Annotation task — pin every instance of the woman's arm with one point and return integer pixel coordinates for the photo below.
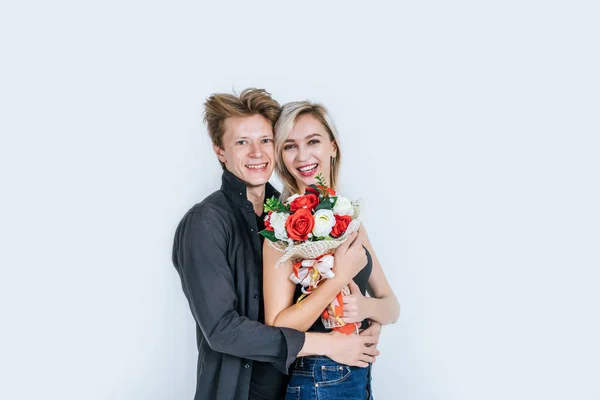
(278, 289)
(382, 306)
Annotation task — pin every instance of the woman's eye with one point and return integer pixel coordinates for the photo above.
(288, 146)
(313, 141)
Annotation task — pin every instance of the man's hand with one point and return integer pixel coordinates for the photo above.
(351, 256)
(356, 306)
(374, 330)
(355, 350)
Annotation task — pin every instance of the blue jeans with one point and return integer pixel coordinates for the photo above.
(318, 377)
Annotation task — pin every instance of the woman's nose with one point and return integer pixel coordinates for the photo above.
(302, 154)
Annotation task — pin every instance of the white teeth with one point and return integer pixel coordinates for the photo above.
(259, 166)
(308, 168)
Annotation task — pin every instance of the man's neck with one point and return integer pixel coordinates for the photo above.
(256, 195)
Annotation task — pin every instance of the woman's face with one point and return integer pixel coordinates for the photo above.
(307, 152)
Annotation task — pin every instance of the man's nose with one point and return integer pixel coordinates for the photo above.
(255, 150)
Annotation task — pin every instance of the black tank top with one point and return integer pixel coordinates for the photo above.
(361, 279)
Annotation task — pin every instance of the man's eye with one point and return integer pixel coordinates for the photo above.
(241, 142)
(267, 140)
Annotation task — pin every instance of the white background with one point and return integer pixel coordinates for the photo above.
(470, 131)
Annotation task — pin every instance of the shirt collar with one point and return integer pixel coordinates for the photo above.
(235, 188)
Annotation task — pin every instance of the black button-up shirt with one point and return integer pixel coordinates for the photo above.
(217, 253)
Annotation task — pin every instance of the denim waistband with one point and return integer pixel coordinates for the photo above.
(315, 358)
(309, 361)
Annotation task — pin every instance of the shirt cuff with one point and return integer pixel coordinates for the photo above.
(295, 341)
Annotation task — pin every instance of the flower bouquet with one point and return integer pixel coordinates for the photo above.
(307, 229)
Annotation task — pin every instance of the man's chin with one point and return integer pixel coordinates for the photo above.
(255, 181)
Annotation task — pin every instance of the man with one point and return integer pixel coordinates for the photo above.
(217, 253)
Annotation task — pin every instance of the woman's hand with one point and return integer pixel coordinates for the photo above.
(356, 306)
(350, 257)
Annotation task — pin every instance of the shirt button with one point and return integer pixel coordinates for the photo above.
(256, 295)
(251, 230)
(247, 366)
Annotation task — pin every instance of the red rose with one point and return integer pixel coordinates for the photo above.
(329, 191)
(300, 224)
(341, 224)
(308, 200)
(312, 190)
(268, 222)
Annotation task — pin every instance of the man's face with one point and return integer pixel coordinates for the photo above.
(247, 150)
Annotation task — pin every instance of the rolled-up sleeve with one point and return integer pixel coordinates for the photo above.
(200, 257)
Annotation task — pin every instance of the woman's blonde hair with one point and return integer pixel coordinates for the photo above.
(287, 119)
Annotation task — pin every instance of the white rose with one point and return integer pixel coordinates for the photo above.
(292, 198)
(343, 206)
(277, 221)
(324, 221)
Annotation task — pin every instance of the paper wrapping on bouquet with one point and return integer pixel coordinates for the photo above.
(313, 264)
(312, 250)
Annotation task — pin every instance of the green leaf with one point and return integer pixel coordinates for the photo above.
(269, 235)
(273, 204)
(324, 205)
(323, 238)
(334, 198)
(321, 180)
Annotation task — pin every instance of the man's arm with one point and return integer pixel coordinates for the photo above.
(345, 349)
(200, 256)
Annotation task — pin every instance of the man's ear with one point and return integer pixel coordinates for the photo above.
(219, 152)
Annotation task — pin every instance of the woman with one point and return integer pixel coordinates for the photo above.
(306, 145)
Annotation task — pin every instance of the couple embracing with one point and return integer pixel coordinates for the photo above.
(255, 339)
